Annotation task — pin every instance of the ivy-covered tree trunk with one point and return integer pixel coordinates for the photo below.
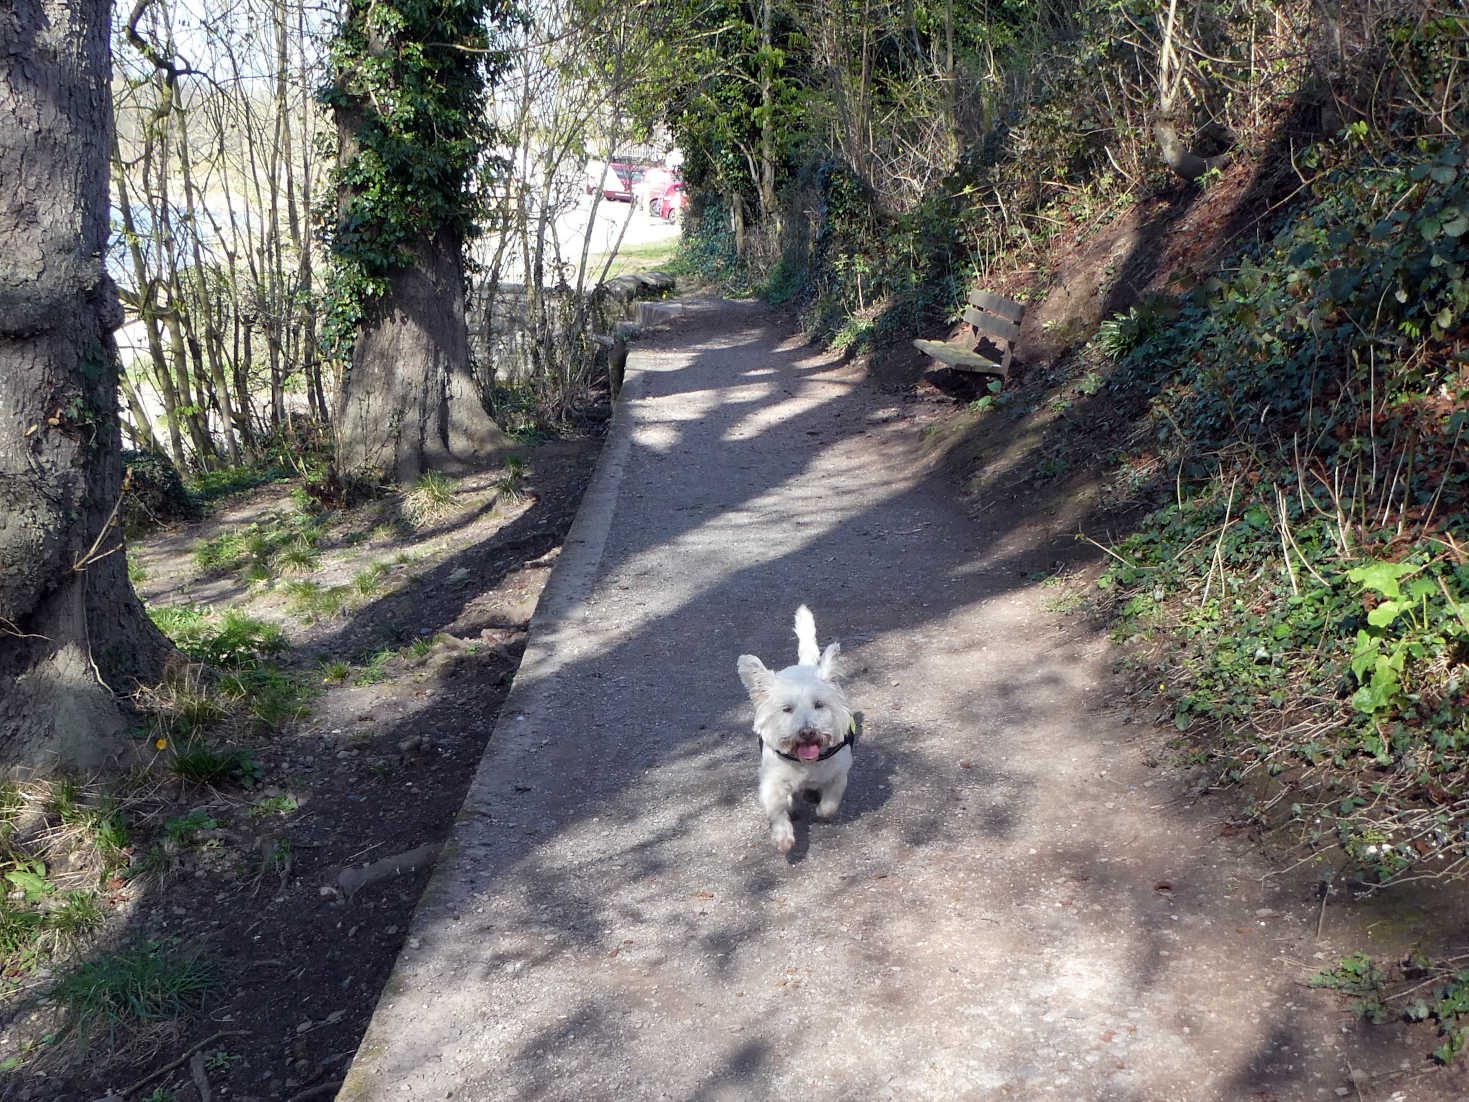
(410, 404)
(71, 628)
(408, 95)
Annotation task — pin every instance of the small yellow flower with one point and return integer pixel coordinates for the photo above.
(161, 743)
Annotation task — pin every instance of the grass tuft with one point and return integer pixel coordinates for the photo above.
(430, 499)
(369, 580)
(315, 601)
(511, 485)
(113, 996)
(204, 765)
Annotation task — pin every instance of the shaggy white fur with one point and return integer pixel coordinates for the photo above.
(803, 720)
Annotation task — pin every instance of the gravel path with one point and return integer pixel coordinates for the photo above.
(1012, 903)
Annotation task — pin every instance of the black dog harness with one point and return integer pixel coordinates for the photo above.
(828, 752)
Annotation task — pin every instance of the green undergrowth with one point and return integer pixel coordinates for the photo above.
(1436, 992)
(209, 486)
(70, 853)
(263, 549)
(112, 999)
(230, 678)
(1303, 595)
(59, 845)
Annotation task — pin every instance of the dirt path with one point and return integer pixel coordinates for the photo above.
(1017, 899)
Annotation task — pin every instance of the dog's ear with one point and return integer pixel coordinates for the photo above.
(827, 665)
(755, 676)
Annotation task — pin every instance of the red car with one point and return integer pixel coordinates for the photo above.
(654, 183)
(620, 181)
(671, 203)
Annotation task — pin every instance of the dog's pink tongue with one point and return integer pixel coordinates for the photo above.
(808, 751)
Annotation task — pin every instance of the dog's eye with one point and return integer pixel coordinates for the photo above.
(788, 709)
(819, 704)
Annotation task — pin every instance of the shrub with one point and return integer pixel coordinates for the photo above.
(153, 493)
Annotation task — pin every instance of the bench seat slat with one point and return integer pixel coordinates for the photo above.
(957, 354)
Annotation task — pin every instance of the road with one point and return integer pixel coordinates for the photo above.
(1016, 901)
(603, 226)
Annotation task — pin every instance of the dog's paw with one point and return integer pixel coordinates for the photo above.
(828, 807)
(783, 835)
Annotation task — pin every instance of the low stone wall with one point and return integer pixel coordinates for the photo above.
(499, 325)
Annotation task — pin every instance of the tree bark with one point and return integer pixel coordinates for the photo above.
(75, 629)
(409, 404)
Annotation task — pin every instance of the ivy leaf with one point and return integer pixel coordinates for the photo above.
(1419, 588)
(1378, 693)
(1377, 747)
(1382, 577)
(1385, 613)
(1363, 655)
(1258, 517)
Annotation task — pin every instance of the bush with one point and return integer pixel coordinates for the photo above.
(153, 493)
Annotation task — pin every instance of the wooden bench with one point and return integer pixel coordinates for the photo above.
(995, 321)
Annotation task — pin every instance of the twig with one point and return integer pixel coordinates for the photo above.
(1442, 482)
(1215, 561)
(9, 627)
(1452, 603)
(92, 554)
(1280, 496)
(168, 1067)
(1107, 550)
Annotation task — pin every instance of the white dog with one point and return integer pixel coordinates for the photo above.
(805, 727)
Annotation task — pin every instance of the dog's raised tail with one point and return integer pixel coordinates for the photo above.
(807, 652)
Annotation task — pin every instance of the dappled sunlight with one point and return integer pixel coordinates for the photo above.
(998, 883)
(796, 404)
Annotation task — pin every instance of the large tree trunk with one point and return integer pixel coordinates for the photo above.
(71, 628)
(409, 404)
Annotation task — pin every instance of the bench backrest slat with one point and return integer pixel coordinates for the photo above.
(992, 325)
(1010, 311)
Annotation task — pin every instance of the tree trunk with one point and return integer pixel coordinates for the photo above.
(213, 343)
(409, 404)
(765, 185)
(147, 303)
(141, 430)
(76, 629)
